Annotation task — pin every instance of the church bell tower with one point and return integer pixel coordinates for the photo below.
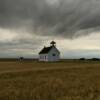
(53, 43)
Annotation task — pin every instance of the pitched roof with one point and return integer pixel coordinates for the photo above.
(45, 50)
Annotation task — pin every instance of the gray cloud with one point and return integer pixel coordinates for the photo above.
(20, 46)
(55, 18)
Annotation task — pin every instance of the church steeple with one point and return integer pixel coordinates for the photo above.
(53, 43)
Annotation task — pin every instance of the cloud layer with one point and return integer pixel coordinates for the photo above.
(27, 25)
(68, 18)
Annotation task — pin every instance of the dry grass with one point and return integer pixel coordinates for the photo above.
(69, 80)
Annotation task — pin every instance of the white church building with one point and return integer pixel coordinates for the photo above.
(50, 53)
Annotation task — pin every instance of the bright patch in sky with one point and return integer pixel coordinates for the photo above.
(52, 2)
(29, 45)
(7, 35)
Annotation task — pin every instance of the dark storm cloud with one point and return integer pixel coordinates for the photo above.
(51, 17)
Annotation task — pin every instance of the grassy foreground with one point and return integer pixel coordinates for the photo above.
(31, 80)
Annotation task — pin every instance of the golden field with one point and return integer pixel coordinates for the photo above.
(65, 80)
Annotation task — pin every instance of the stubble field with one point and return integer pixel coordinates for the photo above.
(65, 80)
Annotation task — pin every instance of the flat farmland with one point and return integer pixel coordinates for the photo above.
(65, 80)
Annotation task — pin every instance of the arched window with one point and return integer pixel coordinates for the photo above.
(53, 54)
(45, 57)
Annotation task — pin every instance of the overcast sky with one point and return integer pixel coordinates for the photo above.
(27, 25)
